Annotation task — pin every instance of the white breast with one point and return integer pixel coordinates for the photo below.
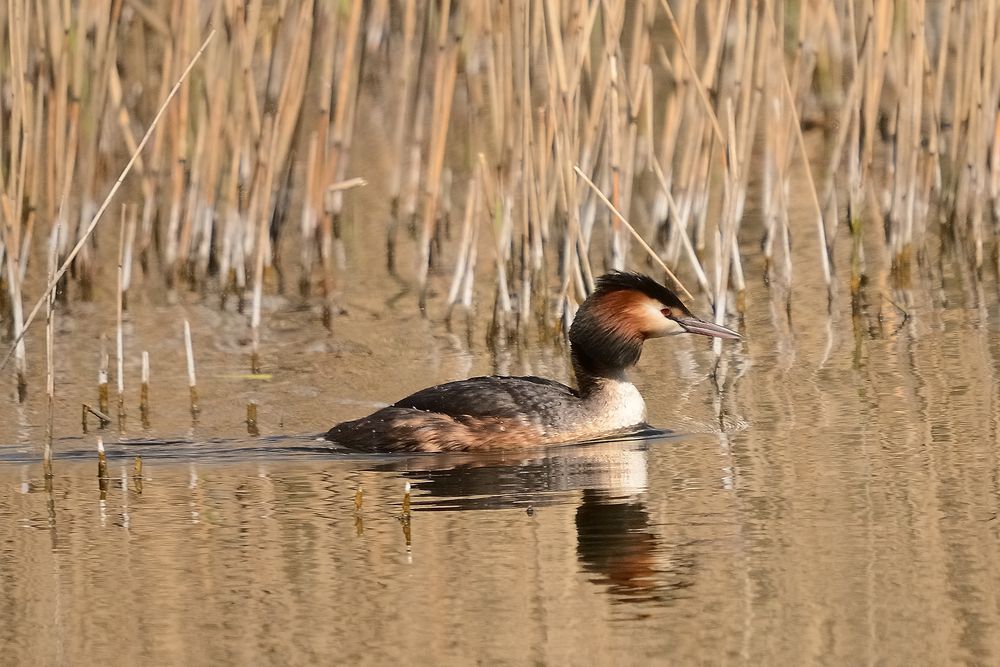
(616, 405)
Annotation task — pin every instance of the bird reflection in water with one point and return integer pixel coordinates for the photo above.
(617, 545)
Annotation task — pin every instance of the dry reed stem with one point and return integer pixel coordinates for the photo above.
(119, 333)
(50, 385)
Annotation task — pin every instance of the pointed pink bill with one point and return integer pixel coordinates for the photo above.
(696, 326)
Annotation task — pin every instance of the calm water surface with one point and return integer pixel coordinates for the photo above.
(836, 501)
(830, 494)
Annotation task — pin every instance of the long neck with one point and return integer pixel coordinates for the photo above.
(601, 350)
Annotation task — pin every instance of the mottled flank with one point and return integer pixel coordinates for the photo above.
(481, 413)
(411, 430)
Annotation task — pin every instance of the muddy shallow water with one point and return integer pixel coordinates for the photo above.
(829, 495)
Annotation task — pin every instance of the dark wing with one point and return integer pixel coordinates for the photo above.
(493, 396)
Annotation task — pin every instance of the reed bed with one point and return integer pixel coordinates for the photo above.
(565, 129)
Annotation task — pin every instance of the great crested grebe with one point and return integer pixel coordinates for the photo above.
(506, 413)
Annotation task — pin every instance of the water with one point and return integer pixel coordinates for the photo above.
(835, 502)
(829, 495)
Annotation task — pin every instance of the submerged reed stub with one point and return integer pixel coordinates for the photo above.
(102, 469)
(359, 522)
(359, 497)
(137, 475)
(404, 518)
(102, 459)
(47, 461)
(406, 500)
(252, 428)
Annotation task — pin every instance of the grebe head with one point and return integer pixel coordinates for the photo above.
(624, 310)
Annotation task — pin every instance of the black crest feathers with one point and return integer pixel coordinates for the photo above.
(626, 280)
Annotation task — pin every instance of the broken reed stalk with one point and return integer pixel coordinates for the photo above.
(192, 381)
(104, 205)
(144, 391)
(103, 418)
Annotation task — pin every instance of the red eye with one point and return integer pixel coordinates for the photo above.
(667, 312)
